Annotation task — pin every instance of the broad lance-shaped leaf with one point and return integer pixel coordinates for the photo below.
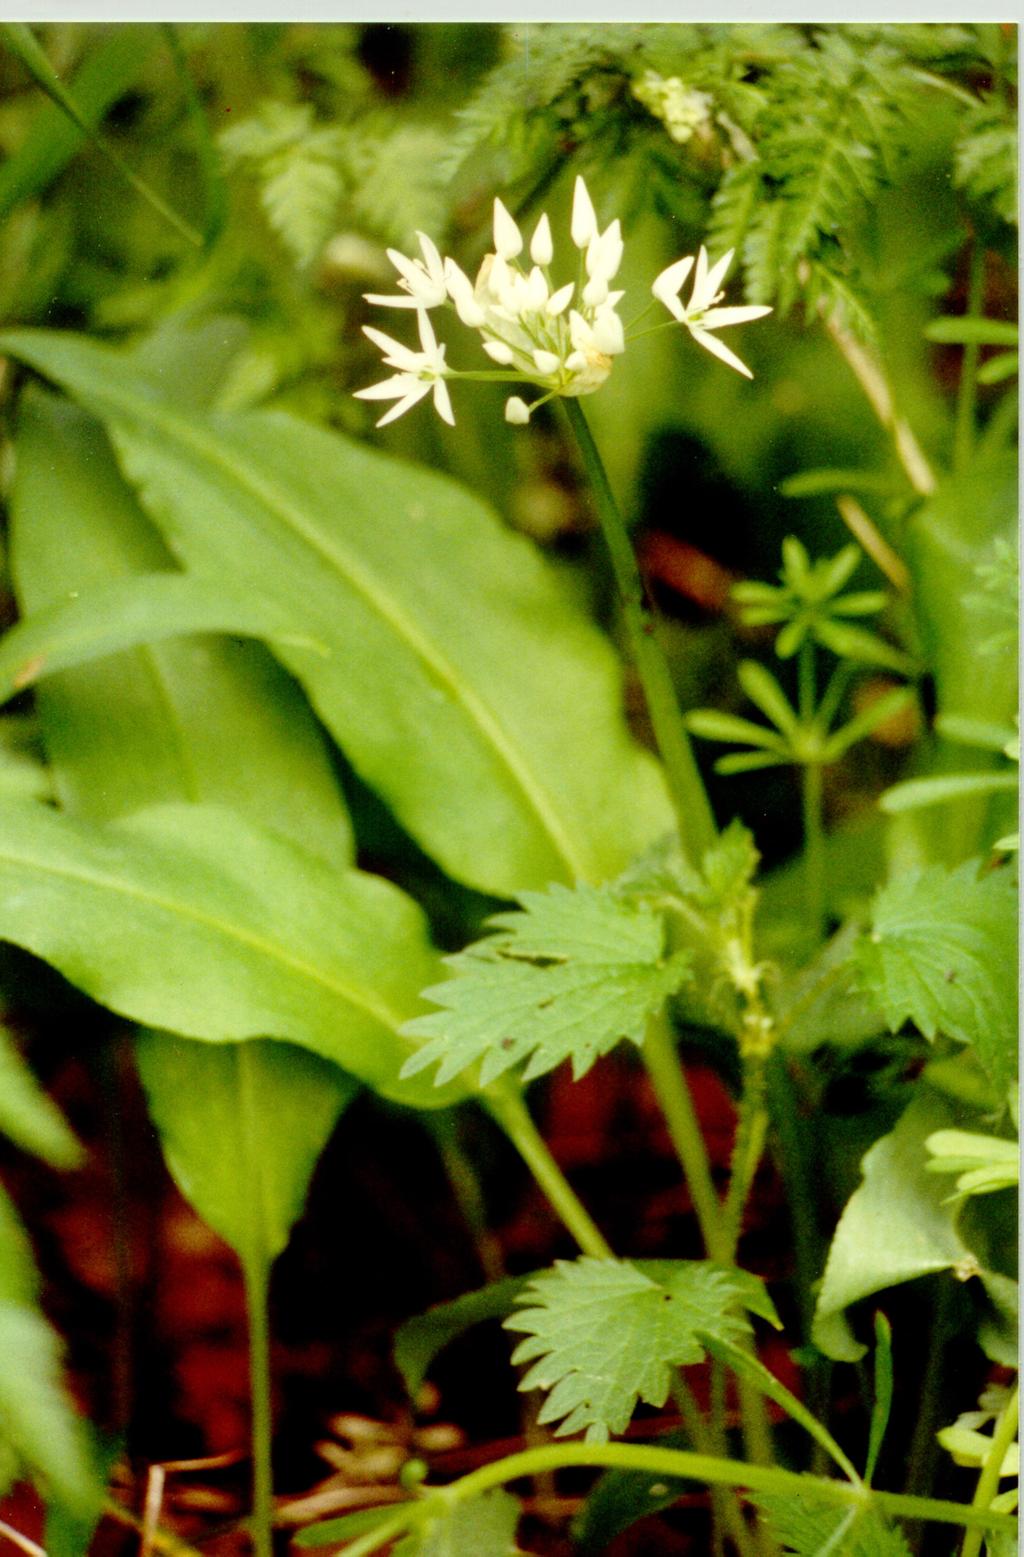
(565, 977)
(190, 919)
(461, 682)
(942, 953)
(144, 609)
(240, 1125)
(603, 1334)
(202, 719)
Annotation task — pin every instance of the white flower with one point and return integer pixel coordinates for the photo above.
(700, 315)
(418, 373)
(423, 282)
(517, 411)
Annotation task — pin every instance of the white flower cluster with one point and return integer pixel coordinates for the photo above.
(562, 339)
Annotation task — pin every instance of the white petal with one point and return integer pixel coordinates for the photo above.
(428, 340)
(718, 349)
(666, 287)
(580, 332)
(389, 388)
(584, 220)
(595, 292)
(400, 300)
(536, 289)
(608, 333)
(541, 247)
(508, 240)
(460, 290)
(517, 411)
(435, 265)
(715, 277)
(395, 354)
(499, 352)
(718, 318)
(443, 402)
(575, 362)
(698, 297)
(403, 264)
(499, 277)
(547, 362)
(559, 301)
(412, 398)
(604, 253)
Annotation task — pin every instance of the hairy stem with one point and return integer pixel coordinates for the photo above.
(988, 1481)
(507, 1106)
(693, 812)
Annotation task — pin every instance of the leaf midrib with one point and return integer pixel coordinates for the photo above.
(228, 931)
(386, 608)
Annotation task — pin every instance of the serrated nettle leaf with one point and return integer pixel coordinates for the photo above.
(190, 919)
(603, 1334)
(805, 1527)
(941, 953)
(497, 738)
(566, 976)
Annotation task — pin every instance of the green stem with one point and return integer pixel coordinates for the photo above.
(791, 1156)
(722, 1473)
(507, 1106)
(751, 1131)
(728, 1515)
(814, 851)
(693, 812)
(988, 1481)
(256, 1293)
(668, 1080)
(963, 433)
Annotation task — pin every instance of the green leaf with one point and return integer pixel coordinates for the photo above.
(714, 725)
(856, 643)
(861, 725)
(941, 953)
(418, 1340)
(762, 688)
(881, 1404)
(805, 1527)
(895, 1227)
(620, 1498)
(985, 1163)
(912, 794)
(960, 330)
(256, 1119)
(200, 720)
(603, 1334)
(749, 762)
(52, 138)
(125, 614)
(485, 1526)
(496, 735)
(28, 1117)
(38, 1425)
(565, 977)
(191, 919)
(997, 369)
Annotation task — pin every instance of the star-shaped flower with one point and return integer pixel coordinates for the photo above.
(418, 373)
(422, 281)
(700, 315)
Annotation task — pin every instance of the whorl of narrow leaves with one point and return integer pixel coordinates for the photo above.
(804, 1527)
(565, 977)
(942, 953)
(603, 1334)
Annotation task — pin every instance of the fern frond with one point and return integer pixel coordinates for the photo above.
(986, 158)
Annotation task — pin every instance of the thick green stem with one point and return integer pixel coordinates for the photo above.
(670, 1088)
(693, 812)
(963, 434)
(506, 1104)
(988, 1481)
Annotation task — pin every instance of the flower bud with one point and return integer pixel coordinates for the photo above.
(517, 411)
